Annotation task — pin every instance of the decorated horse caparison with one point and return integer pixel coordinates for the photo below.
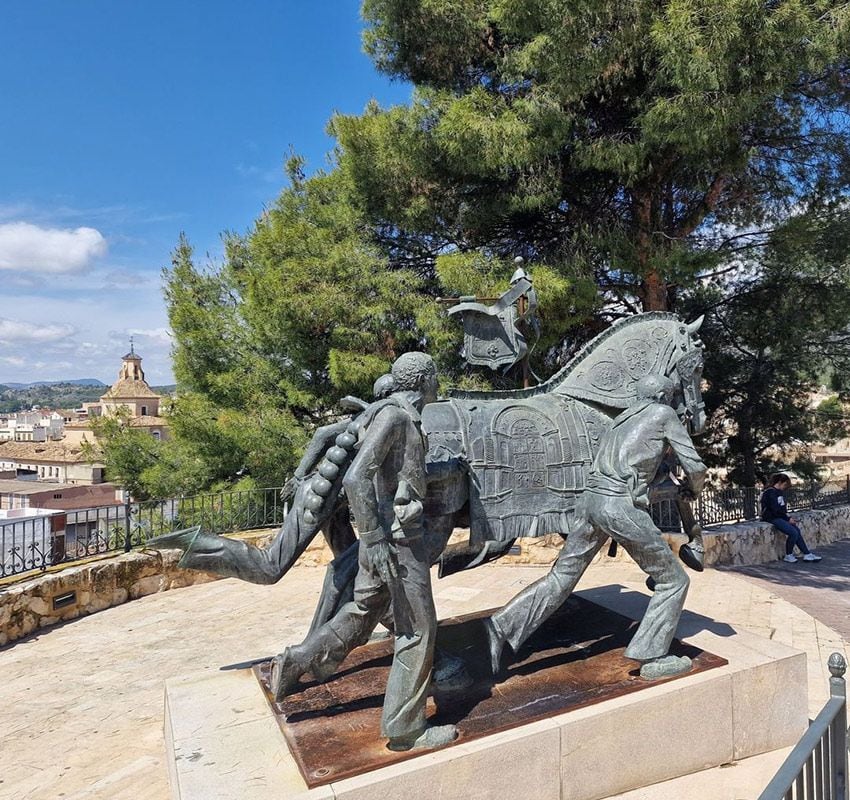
(504, 464)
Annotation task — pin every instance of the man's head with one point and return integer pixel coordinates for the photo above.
(780, 481)
(655, 387)
(416, 372)
(383, 387)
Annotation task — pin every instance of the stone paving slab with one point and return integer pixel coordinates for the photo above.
(821, 588)
(81, 704)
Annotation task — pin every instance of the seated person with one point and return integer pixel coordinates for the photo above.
(775, 511)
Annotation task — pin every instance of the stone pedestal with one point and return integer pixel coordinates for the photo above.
(224, 742)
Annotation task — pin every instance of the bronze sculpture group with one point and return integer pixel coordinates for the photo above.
(576, 455)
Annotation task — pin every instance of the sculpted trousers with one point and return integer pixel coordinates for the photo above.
(415, 626)
(618, 518)
(236, 559)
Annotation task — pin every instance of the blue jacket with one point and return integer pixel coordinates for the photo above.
(773, 505)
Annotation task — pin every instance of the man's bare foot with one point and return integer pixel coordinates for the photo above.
(437, 736)
(664, 667)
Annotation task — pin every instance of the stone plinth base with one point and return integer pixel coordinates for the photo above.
(224, 742)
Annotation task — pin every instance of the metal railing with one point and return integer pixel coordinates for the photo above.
(816, 769)
(41, 542)
(36, 544)
(719, 506)
(219, 512)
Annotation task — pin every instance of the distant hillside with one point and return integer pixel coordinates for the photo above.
(49, 394)
(74, 382)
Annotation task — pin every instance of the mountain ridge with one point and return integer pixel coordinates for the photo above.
(70, 382)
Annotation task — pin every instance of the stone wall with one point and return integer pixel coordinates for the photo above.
(740, 544)
(759, 542)
(39, 602)
(28, 605)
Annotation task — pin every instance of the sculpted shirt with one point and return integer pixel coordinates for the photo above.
(391, 451)
(633, 449)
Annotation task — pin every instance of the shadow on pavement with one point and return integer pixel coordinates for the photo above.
(831, 573)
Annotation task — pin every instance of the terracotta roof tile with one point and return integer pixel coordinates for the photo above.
(127, 388)
(42, 451)
(147, 421)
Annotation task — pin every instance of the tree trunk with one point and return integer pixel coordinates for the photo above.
(654, 292)
(654, 287)
(749, 479)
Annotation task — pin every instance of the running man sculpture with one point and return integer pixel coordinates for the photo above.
(386, 487)
(616, 504)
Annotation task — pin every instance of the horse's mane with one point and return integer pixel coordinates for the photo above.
(562, 374)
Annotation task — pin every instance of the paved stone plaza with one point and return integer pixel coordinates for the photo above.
(81, 703)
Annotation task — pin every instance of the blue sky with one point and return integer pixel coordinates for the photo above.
(123, 124)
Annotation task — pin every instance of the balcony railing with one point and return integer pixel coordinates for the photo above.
(816, 769)
(36, 544)
(42, 542)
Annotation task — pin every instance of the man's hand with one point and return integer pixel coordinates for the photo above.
(381, 557)
(792, 520)
(408, 512)
(686, 492)
(290, 488)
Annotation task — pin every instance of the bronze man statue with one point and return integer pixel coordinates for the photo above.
(616, 504)
(385, 487)
(326, 455)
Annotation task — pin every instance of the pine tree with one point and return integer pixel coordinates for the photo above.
(606, 139)
(776, 328)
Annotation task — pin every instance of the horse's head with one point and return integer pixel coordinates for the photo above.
(606, 371)
(685, 369)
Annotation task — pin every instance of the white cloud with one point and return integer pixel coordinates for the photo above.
(267, 175)
(24, 246)
(17, 332)
(162, 335)
(124, 279)
(102, 325)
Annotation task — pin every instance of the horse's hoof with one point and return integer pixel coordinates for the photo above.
(176, 540)
(692, 557)
(284, 674)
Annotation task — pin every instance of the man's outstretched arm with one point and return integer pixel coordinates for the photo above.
(680, 441)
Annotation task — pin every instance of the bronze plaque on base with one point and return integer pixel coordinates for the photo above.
(574, 660)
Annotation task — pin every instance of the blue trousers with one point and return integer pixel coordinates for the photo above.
(795, 538)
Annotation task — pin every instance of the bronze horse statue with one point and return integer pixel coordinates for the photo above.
(505, 464)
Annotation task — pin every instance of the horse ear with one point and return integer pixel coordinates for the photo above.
(694, 326)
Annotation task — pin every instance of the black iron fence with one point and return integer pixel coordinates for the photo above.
(816, 769)
(41, 542)
(36, 543)
(719, 506)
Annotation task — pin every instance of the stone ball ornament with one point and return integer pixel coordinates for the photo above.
(346, 440)
(328, 470)
(313, 502)
(321, 486)
(336, 455)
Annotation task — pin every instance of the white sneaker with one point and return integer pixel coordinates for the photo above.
(812, 557)
(790, 558)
